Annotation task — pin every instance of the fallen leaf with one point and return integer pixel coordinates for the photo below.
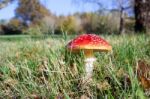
(145, 82)
(143, 70)
(35, 96)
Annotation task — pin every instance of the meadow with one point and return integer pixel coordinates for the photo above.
(42, 68)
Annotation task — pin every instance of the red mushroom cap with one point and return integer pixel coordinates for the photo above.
(89, 41)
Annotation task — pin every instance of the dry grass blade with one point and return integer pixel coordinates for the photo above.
(84, 97)
(60, 96)
(74, 70)
(13, 69)
(103, 85)
(10, 82)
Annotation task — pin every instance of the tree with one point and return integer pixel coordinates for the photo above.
(86, 19)
(49, 24)
(142, 15)
(4, 3)
(31, 11)
(122, 5)
(69, 25)
(14, 26)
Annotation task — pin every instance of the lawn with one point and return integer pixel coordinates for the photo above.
(43, 68)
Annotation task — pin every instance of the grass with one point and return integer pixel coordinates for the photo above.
(32, 68)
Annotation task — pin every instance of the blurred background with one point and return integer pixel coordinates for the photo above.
(40, 17)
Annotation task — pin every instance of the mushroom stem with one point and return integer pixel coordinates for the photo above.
(89, 67)
(89, 60)
(88, 53)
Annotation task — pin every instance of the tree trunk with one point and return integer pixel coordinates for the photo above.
(142, 15)
(139, 23)
(121, 25)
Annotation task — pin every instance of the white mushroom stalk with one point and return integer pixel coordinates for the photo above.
(89, 61)
(89, 67)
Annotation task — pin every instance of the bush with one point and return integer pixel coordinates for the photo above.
(14, 26)
(129, 25)
(1, 30)
(68, 25)
(9, 29)
(49, 24)
(34, 30)
(96, 23)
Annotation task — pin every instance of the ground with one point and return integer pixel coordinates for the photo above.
(42, 67)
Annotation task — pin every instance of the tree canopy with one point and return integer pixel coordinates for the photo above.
(31, 11)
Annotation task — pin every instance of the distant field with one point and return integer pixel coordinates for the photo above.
(24, 37)
(19, 37)
(43, 68)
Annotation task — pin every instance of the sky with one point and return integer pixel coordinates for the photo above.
(57, 7)
(60, 7)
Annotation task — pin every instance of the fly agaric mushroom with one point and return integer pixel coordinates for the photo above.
(89, 43)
